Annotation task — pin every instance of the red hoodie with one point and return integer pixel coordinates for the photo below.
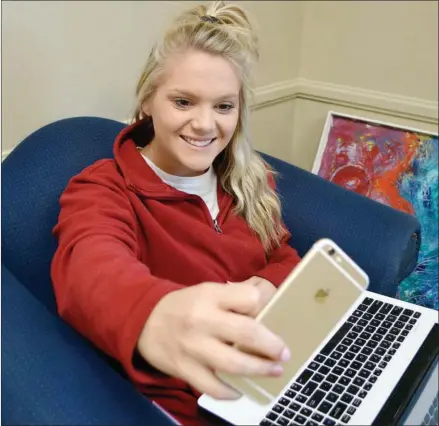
(126, 239)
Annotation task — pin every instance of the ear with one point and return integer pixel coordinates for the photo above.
(146, 108)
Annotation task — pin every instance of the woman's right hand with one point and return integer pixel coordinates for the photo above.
(190, 334)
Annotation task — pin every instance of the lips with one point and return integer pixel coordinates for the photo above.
(196, 142)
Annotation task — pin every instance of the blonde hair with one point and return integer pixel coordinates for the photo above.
(225, 30)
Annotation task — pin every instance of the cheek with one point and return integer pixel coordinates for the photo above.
(228, 126)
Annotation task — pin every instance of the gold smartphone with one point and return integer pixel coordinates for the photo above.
(305, 309)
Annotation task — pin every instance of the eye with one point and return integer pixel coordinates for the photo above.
(182, 103)
(224, 108)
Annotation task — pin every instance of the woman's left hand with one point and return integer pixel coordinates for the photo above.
(266, 291)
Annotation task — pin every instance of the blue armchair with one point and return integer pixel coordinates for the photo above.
(52, 375)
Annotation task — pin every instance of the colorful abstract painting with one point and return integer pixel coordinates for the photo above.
(397, 167)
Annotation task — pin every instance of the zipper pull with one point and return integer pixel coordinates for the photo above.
(217, 228)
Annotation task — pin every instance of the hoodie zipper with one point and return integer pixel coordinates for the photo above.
(216, 226)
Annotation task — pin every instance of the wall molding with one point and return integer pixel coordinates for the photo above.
(389, 104)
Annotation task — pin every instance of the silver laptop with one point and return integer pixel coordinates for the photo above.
(378, 366)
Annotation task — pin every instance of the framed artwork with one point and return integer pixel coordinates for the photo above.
(394, 165)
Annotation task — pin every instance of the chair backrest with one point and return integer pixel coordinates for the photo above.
(33, 177)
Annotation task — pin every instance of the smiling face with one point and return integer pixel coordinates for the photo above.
(195, 111)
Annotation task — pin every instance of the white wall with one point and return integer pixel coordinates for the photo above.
(368, 58)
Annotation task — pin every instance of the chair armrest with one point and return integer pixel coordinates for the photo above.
(52, 376)
(383, 241)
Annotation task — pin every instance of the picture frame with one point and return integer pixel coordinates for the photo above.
(397, 166)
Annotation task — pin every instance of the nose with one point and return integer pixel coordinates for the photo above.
(203, 121)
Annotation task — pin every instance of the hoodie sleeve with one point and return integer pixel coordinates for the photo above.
(102, 288)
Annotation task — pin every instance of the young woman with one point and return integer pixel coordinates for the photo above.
(168, 251)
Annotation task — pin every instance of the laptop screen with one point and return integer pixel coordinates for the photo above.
(423, 406)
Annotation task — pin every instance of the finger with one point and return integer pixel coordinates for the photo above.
(249, 335)
(244, 299)
(222, 357)
(205, 381)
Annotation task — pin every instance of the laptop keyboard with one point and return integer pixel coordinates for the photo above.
(431, 418)
(335, 383)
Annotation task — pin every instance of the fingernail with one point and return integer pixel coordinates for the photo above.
(285, 355)
(276, 370)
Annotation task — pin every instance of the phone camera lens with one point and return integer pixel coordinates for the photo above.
(331, 252)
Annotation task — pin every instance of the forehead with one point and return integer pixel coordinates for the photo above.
(202, 74)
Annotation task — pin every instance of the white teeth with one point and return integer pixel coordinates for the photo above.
(197, 143)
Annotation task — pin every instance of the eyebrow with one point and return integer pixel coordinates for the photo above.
(192, 95)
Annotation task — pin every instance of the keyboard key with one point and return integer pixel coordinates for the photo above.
(329, 362)
(349, 339)
(266, 422)
(378, 372)
(349, 355)
(313, 366)
(332, 378)
(373, 309)
(353, 389)
(404, 333)
(380, 317)
(296, 387)
(309, 388)
(408, 312)
(336, 355)
(301, 398)
(362, 394)
(338, 389)
(332, 397)
(357, 402)
(272, 416)
(324, 370)
(390, 337)
(319, 358)
(343, 363)
(386, 324)
(328, 422)
(290, 394)
(337, 338)
(282, 421)
(365, 335)
(358, 382)
(386, 308)
(392, 352)
(396, 345)
(360, 342)
(346, 418)
(294, 406)
(368, 386)
(347, 398)
(366, 350)
(338, 410)
(351, 410)
(357, 313)
(377, 337)
(373, 379)
(399, 324)
(324, 407)
(304, 377)
(356, 365)
(387, 358)
(300, 419)
(305, 411)
(396, 311)
(375, 358)
(289, 414)
(278, 408)
(385, 344)
(352, 319)
(344, 381)
(400, 339)
(364, 373)
(417, 314)
(283, 401)
(403, 318)
(342, 348)
(373, 343)
(395, 330)
(315, 399)
(391, 318)
(356, 330)
(380, 351)
(355, 349)
(367, 316)
(337, 371)
(370, 365)
(362, 322)
(311, 423)
(375, 323)
(361, 357)
(362, 307)
(318, 377)
(317, 417)
(382, 330)
(367, 301)
(350, 373)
